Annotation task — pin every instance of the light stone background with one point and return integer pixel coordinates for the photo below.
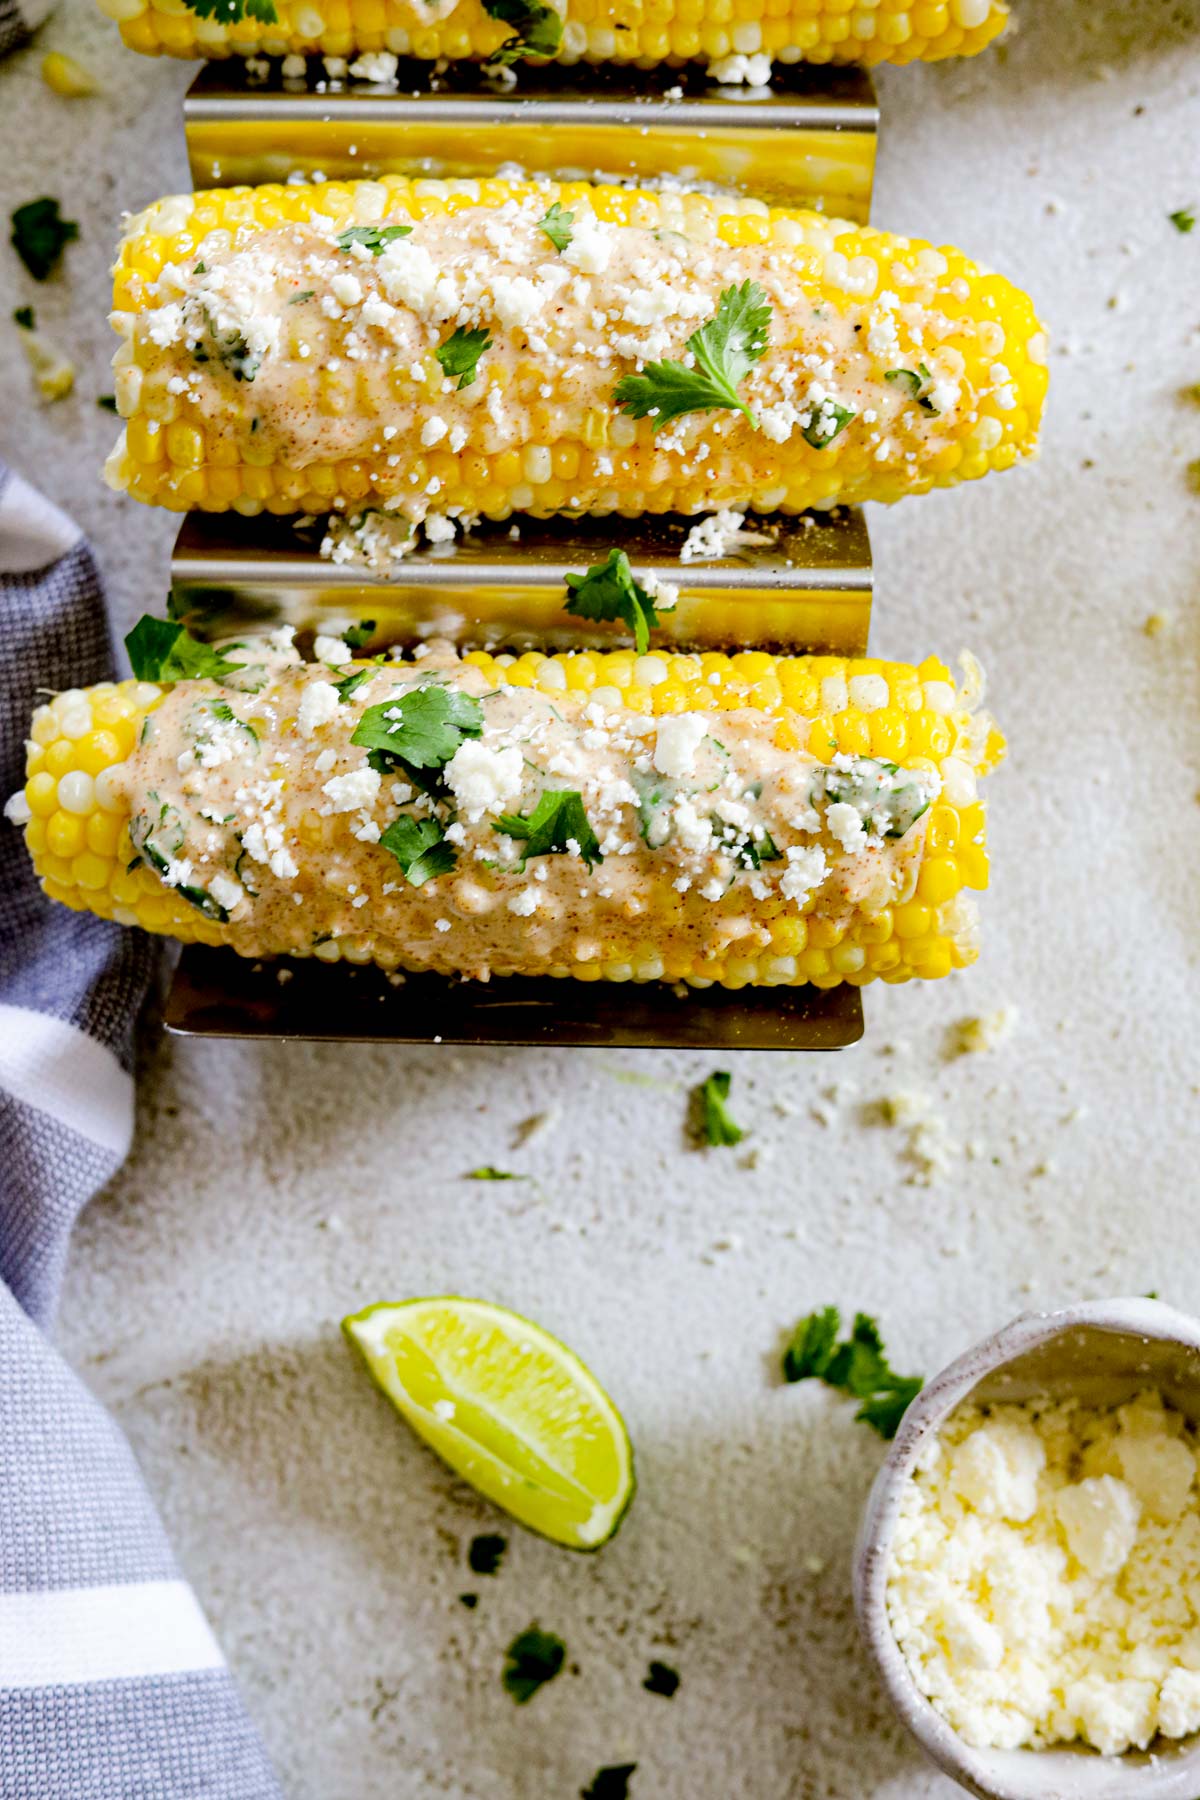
(271, 1190)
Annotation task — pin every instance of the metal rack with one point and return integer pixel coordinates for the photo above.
(809, 140)
(806, 586)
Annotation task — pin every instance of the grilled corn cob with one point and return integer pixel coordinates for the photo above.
(817, 31)
(457, 348)
(708, 819)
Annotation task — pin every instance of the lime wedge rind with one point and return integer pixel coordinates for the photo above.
(560, 1506)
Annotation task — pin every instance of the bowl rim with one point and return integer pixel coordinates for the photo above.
(1134, 1316)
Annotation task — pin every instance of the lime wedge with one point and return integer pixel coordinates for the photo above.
(508, 1407)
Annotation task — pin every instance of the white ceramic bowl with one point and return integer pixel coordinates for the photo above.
(1104, 1351)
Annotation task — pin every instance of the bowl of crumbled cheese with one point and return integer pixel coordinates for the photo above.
(1027, 1577)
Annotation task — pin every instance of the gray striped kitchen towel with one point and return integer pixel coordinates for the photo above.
(18, 18)
(112, 1686)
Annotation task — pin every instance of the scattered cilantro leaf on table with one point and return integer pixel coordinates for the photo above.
(719, 1128)
(611, 1783)
(486, 1172)
(40, 234)
(532, 1659)
(725, 350)
(1184, 220)
(486, 1552)
(661, 1679)
(858, 1366)
(23, 316)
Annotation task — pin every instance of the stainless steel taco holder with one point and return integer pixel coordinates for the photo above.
(807, 140)
(805, 585)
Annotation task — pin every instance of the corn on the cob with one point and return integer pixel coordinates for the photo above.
(297, 349)
(625, 31)
(250, 819)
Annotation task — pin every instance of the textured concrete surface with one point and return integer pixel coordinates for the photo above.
(272, 1190)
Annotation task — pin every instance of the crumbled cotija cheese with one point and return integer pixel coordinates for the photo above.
(1045, 1578)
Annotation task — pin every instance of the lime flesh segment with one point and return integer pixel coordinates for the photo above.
(508, 1407)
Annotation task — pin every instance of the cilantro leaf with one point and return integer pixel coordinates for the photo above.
(812, 1345)
(420, 728)
(375, 238)
(609, 591)
(827, 421)
(470, 1601)
(719, 1128)
(858, 1367)
(611, 1783)
(662, 1679)
(486, 1552)
(1184, 220)
(231, 12)
(725, 349)
(883, 1412)
(557, 820)
(160, 650)
(488, 1172)
(298, 299)
(557, 226)
(40, 234)
(460, 354)
(107, 402)
(420, 847)
(351, 683)
(356, 636)
(537, 29)
(533, 1658)
(23, 316)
